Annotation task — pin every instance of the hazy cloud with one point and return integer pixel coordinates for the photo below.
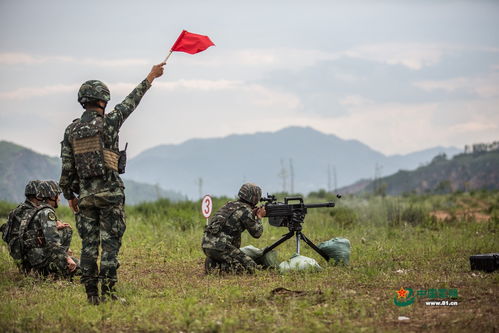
(355, 100)
(259, 95)
(402, 128)
(28, 59)
(397, 75)
(412, 55)
(484, 86)
(25, 93)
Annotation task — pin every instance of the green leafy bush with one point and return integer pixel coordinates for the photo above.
(415, 215)
(393, 213)
(5, 208)
(345, 217)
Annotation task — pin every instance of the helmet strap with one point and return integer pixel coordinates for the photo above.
(100, 102)
(52, 202)
(34, 201)
(249, 203)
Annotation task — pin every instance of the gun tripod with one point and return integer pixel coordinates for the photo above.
(295, 230)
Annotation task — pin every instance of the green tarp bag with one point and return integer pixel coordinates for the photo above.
(299, 263)
(338, 249)
(269, 260)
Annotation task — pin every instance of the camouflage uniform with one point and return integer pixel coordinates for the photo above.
(47, 247)
(19, 217)
(222, 236)
(34, 241)
(101, 218)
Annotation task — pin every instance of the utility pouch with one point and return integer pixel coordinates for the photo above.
(122, 160)
(89, 156)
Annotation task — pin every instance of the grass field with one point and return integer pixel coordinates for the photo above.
(418, 242)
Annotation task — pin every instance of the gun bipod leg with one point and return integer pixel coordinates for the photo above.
(313, 246)
(298, 236)
(279, 242)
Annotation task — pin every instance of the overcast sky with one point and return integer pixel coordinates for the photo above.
(399, 76)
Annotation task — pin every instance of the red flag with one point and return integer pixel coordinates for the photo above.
(191, 43)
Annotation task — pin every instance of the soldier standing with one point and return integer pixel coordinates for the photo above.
(222, 236)
(91, 183)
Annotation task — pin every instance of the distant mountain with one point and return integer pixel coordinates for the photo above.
(471, 171)
(355, 188)
(18, 165)
(137, 192)
(300, 156)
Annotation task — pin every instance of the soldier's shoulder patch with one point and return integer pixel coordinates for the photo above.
(51, 216)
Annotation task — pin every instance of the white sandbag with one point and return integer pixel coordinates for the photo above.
(299, 263)
(269, 260)
(252, 252)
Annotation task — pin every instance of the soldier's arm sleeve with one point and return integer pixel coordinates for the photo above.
(53, 241)
(69, 177)
(121, 111)
(252, 223)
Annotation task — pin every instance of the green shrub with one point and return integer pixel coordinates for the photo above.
(393, 213)
(321, 194)
(415, 215)
(5, 208)
(344, 217)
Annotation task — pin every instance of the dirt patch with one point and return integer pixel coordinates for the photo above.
(441, 215)
(280, 291)
(464, 215)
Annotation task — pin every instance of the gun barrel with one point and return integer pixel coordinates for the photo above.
(320, 205)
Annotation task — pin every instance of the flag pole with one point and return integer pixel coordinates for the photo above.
(168, 56)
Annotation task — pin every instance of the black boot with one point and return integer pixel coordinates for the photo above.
(211, 266)
(109, 292)
(92, 293)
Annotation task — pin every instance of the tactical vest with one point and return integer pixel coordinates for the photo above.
(32, 237)
(218, 223)
(93, 157)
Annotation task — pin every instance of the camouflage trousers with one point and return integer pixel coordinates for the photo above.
(230, 260)
(66, 236)
(46, 262)
(100, 223)
(57, 268)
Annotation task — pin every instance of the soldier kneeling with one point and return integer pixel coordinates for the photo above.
(222, 236)
(45, 239)
(19, 217)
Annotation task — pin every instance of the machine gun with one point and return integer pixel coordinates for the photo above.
(291, 214)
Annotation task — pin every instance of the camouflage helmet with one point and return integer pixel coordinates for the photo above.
(250, 193)
(93, 90)
(55, 186)
(48, 189)
(31, 189)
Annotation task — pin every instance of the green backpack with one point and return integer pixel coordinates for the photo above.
(13, 230)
